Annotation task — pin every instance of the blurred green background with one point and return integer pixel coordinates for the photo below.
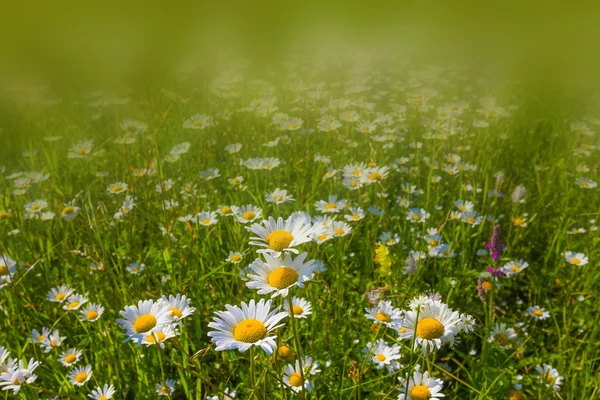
(79, 43)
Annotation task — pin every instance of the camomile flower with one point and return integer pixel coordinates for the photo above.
(514, 267)
(18, 375)
(135, 268)
(550, 376)
(324, 234)
(133, 127)
(165, 388)
(356, 214)
(70, 211)
(277, 236)
(280, 274)
(226, 211)
(432, 326)
(102, 393)
(241, 328)
(278, 196)
(301, 308)
(420, 386)
(53, 341)
(464, 206)
(179, 306)
(247, 213)
(36, 206)
(233, 148)
(91, 312)
(147, 317)
(501, 335)
(389, 240)
(538, 313)
(332, 205)
(59, 294)
(383, 355)
(235, 257)
(416, 215)
(340, 228)
(206, 218)
(586, 183)
(576, 258)
(38, 337)
(296, 377)
(70, 357)
(374, 174)
(80, 375)
(209, 174)
(7, 266)
(118, 187)
(74, 302)
(384, 313)
(160, 336)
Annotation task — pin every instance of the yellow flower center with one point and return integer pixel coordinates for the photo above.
(518, 221)
(81, 377)
(538, 313)
(282, 277)
(357, 172)
(330, 206)
(165, 389)
(68, 210)
(236, 258)
(175, 312)
(501, 339)
(284, 353)
(41, 338)
(102, 398)
(249, 331)
(470, 220)
(91, 315)
(383, 317)
(339, 231)
(323, 237)
(296, 379)
(279, 240)
(356, 217)
(575, 261)
(73, 305)
(420, 392)
(205, 222)
(35, 207)
(516, 396)
(159, 336)
(70, 358)
(144, 323)
(429, 328)
(433, 242)
(584, 184)
(416, 217)
(4, 215)
(380, 357)
(226, 210)
(3, 270)
(117, 188)
(297, 310)
(487, 286)
(548, 378)
(375, 176)
(249, 215)
(195, 123)
(353, 184)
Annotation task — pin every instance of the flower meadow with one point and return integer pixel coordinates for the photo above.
(349, 228)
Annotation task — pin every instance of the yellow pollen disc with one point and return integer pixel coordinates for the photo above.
(372, 165)
(284, 353)
(357, 172)
(144, 323)
(4, 215)
(429, 328)
(41, 338)
(339, 231)
(3, 270)
(575, 261)
(548, 378)
(403, 330)
(433, 242)
(282, 277)
(516, 268)
(375, 176)
(70, 358)
(297, 310)
(81, 377)
(330, 206)
(165, 390)
(249, 215)
(501, 339)
(516, 396)
(356, 216)
(159, 335)
(175, 312)
(196, 123)
(249, 331)
(236, 258)
(91, 315)
(323, 237)
(102, 398)
(279, 240)
(416, 217)
(117, 188)
(353, 184)
(68, 210)
(54, 344)
(296, 379)
(205, 222)
(383, 317)
(73, 305)
(420, 392)
(470, 220)
(225, 210)
(538, 313)
(381, 357)
(35, 207)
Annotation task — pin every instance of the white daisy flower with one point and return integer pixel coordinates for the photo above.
(383, 355)
(247, 213)
(91, 312)
(296, 377)
(538, 313)
(420, 387)
(165, 388)
(206, 218)
(576, 258)
(142, 320)
(74, 302)
(300, 307)
(80, 375)
(70, 211)
(514, 267)
(179, 306)
(38, 337)
(550, 376)
(70, 357)
(280, 274)
(18, 375)
(159, 336)
(118, 187)
(102, 393)
(332, 205)
(278, 196)
(501, 335)
(281, 236)
(241, 328)
(384, 314)
(235, 257)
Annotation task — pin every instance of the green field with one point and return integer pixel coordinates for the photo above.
(438, 234)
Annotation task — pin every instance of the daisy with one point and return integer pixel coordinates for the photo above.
(420, 387)
(464, 206)
(70, 357)
(389, 240)
(416, 215)
(586, 183)
(53, 341)
(38, 337)
(383, 355)
(576, 258)
(431, 326)
(332, 205)
(160, 336)
(247, 213)
(384, 313)
(241, 328)
(301, 308)
(341, 228)
(70, 211)
(117, 188)
(227, 211)
(142, 320)
(179, 306)
(74, 302)
(235, 257)
(18, 375)
(91, 312)
(374, 174)
(102, 393)
(206, 218)
(80, 375)
(356, 214)
(209, 174)
(296, 377)
(81, 149)
(278, 196)
(135, 268)
(281, 236)
(514, 267)
(501, 335)
(233, 148)
(7, 266)
(280, 274)
(549, 376)
(538, 313)
(36, 206)
(165, 388)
